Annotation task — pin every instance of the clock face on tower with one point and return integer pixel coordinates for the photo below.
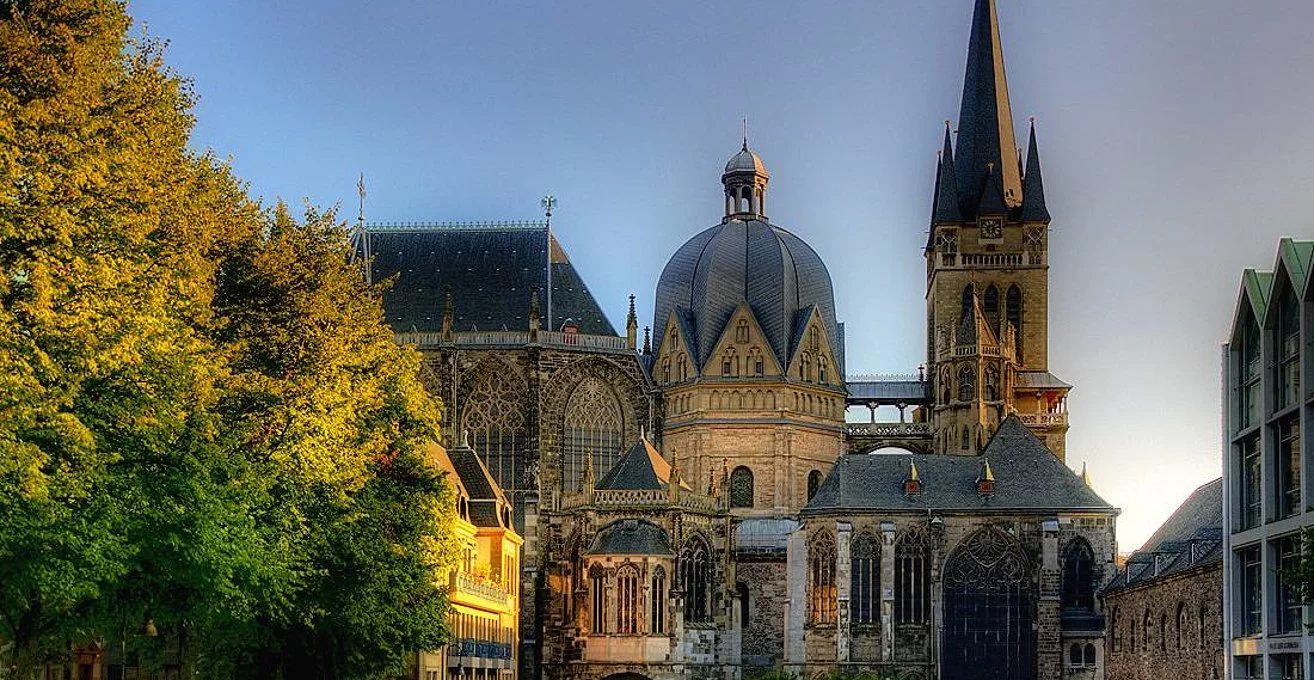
(992, 228)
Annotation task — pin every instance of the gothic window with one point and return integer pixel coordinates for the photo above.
(495, 423)
(684, 367)
(657, 597)
(991, 304)
(865, 596)
(675, 339)
(1074, 655)
(1204, 616)
(629, 612)
(727, 365)
(598, 590)
(1163, 632)
(821, 579)
(1145, 632)
(966, 383)
(814, 483)
(814, 339)
(666, 370)
(759, 366)
(695, 580)
(741, 488)
(821, 370)
(946, 387)
(1013, 309)
(1288, 348)
(1115, 632)
(1078, 576)
(912, 577)
(991, 388)
(741, 331)
(969, 301)
(592, 428)
(989, 610)
(967, 437)
(1131, 632)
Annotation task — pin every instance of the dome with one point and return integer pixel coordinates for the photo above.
(746, 161)
(775, 272)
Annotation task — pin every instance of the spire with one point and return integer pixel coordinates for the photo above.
(631, 325)
(946, 185)
(1085, 476)
(1033, 187)
(985, 119)
(992, 196)
(647, 340)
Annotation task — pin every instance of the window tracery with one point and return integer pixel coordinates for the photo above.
(912, 577)
(865, 587)
(989, 609)
(966, 383)
(741, 488)
(657, 597)
(821, 579)
(695, 575)
(592, 427)
(629, 613)
(1078, 576)
(495, 423)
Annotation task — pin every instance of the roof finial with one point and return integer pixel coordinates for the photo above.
(745, 133)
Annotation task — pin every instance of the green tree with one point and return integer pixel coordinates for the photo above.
(204, 422)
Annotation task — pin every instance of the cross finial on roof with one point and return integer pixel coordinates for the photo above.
(745, 133)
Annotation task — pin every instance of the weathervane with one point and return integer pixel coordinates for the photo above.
(549, 202)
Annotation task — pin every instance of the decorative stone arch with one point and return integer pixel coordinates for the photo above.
(629, 390)
(989, 609)
(492, 416)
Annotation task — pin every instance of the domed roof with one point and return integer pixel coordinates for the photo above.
(746, 261)
(746, 161)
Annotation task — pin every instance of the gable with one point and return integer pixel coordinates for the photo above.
(743, 342)
(811, 342)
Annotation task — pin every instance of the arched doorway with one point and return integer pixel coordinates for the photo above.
(989, 608)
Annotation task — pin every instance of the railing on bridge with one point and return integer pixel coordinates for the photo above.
(887, 430)
(1042, 419)
(557, 339)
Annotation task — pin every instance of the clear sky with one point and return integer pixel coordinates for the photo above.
(1175, 141)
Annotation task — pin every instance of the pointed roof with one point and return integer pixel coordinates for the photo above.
(992, 196)
(1037, 481)
(946, 185)
(985, 119)
(974, 326)
(1033, 187)
(642, 468)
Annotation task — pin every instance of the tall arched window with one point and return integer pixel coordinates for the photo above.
(946, 387)
(991, 304)
(1182, 642)
(1114, 631)
(1013, 308)
(629, 611)
(966, 383)
(1163, 632)
(592, 427)
(598, 591)
(657, 625)
(989, 609)
(991, 388)
(1204, 616)
(969, 301)
(741, 488)
(1078, 576)
(814, 483)
(1145, 634)
(912, 577)
(495, 422)
(695, 578)
(864, 587)
(821, 579)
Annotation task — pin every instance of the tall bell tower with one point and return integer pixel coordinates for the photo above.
(987, 268)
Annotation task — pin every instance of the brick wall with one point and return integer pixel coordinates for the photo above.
(1132, 655)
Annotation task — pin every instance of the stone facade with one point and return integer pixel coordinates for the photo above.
(1184, 636)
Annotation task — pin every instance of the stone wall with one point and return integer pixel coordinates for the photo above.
(1176, 647)
(763, 636)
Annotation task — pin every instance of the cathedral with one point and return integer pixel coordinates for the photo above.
(696, 499)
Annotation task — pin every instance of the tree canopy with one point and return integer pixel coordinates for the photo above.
(205, 425)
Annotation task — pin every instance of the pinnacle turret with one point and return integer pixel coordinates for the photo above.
(1033, 187)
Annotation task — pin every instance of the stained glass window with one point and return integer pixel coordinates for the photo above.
(592, 427)
(741, 488)
(695, 576)
(912, 578)
(495, 422)
(989, 610)
(821, 578)
(864, 588)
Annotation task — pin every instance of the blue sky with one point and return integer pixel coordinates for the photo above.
(1174, 140)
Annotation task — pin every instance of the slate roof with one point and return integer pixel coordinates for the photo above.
(1033, 185)
(487, 502)
(642, 468)
(1040, 380)
(1028, 477)
(1192, 536)
(752, 261)
(985, 118)
(631, 537)
(491, 271)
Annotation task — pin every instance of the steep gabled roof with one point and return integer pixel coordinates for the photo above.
(1191, 537)
(642, 468)
(488, 504)
(492, 271)
(1028, 477)
(985, 119)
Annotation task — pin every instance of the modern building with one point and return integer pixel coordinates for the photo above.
(1267, 494)
(697, 505)
(1164, 607)
(484, 586)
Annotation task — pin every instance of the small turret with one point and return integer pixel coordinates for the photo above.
(647, 341)
(1033, 187)
(913, 483)
(631, 326)
(985, 484)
